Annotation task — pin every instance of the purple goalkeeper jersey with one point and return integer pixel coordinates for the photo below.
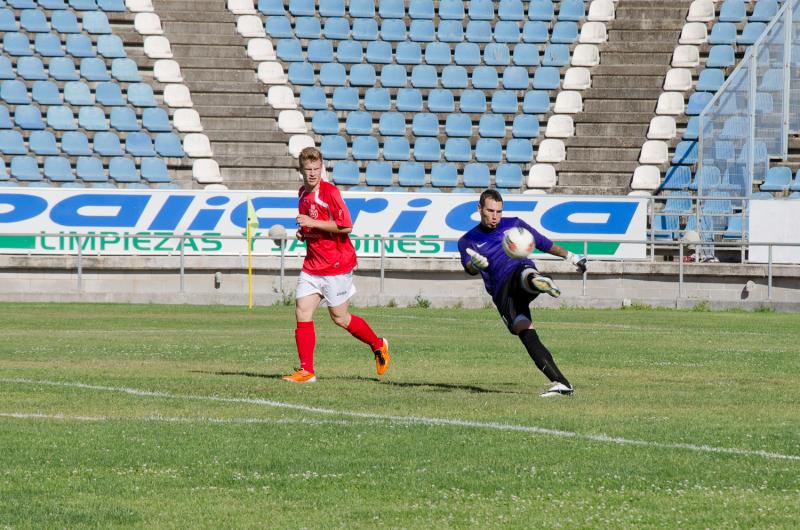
(489, 243)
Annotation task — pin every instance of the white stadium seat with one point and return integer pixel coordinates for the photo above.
(250, 27)
(693, 33)
(670, 103)
(662, 128)
(568, 102)
(187, 120)
(271, 73)
(281, 97)
(206, 171)
(685, 56)
(585, 55)
(541, 176)
(577, 78)
(292, 122)
(177, 95)
(298, 142)
(701, 11)
(601, 11)
(261, 50)
(157, 47)
(654, 152)
(139, 6)
(197, 145)
(593, 33)
(241, 7)
(147, 24)
(551, 150)
(560, 126)
(646, 178)
(678, 79)
(167, 71)
(534, 191)
(215, 187)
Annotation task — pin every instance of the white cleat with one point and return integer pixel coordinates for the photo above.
(545, 285)
(557, 389)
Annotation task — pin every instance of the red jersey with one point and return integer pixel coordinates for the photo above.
(327, 254)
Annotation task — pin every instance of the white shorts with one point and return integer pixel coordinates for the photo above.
(336, 290)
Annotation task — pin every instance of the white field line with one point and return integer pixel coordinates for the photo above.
(418, 420)
(174, 419)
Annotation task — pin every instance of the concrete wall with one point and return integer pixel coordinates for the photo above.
(223, 280)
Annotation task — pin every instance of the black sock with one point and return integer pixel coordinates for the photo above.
(541, 356)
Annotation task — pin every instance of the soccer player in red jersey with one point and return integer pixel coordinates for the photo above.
(324, 224)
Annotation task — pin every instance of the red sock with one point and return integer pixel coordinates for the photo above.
(360, 329)
(305, 338)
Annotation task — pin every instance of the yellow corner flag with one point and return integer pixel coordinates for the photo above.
(252, 226)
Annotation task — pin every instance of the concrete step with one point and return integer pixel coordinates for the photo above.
(674, 13)
(236, 99)
(649, 59)
(597, 166)
(221, 74)
(590, 154)
(222, 28)
(613, 117)
(618, 142)
(201, 62)
(239, 124)
(603, 129)
(592, 106)
(589, 190)
(218, 135)
(639, 47)
(227, 88)
(650, 94)
(241, 161)
(170, 16)
(248, 111)
(191, 5)
(255, 146)
(644, 35)
(629, 70)
(270, 177)
(232, 39)
(615, 180)
(653, 24)
(643, 82)
(210, 51)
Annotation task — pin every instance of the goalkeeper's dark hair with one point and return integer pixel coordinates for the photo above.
(490, 194)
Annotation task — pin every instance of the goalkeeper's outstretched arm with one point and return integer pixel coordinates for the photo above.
(576, 259)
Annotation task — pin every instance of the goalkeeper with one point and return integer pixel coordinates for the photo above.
(515, 283)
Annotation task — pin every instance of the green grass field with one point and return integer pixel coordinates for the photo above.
(175, 417)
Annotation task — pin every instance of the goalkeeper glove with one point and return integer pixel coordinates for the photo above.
(578, 260)
(478, 261)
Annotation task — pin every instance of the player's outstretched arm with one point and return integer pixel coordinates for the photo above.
(579, 261)
(477, 262)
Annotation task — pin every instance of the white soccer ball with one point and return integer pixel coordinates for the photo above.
(518, 242)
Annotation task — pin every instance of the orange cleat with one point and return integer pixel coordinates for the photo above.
(301, 376)
(382, 358)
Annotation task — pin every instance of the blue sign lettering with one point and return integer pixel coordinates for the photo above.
(130, 207)
(24, 207)
(171, 212)
(207, 219)
(556, 219)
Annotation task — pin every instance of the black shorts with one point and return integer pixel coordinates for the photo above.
(513, 301)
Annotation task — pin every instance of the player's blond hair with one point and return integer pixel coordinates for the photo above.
(309, 154)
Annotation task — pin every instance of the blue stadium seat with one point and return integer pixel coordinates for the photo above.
(677, 178)
(420, 9)
(427, 149)
(154, 119)
(473, 101)
(169, 145)
(478, 31)
(411, 174)
(358, 123)
(546, 78)
(492, 126)
(11, 143)
(75, 143)
(665, 226)
(25, 168)
(451, 10)
(33, 21)
(330, 8)
(289, 50)
(732, 11)
(488, 150)
(458, 125)
(57, 169)
(450, 31)
(510, 10)
(504, 102)
(333, 147)
(107, 144)
(536, 102)
(279, 27)
(111, 5)
(79, 46)
(525, 55)
(379, 52)
(365, 29)
(571, 10)
(78, 93)
(17, 44)
(408, 53)
(141, 95)
(154, 170)
(519, 150)
(92, 119)
(750, 34)
(735, 127)
(764, 11)
(721, 56)
(454, 76)
(123, 119)
(14, 92)
(535, 32)
(94, 69)
(425, 124)
(564, 32)
(697, 102)
(508, 176)
(393, 75)
(422, 31)
(43, 143)
(444, 175)
(122, 170)
(777, 179)
(771, 80)
(393, 30)
(408, 100)
(377, 100)
(125, 70)
(379, 174)
(275, 7)
(336, 29)
(391, 9)
(515, 78)
(685, 153)
(437, 53)
(313, 98)
(5, 118)
(441, 100)
(507, 31)
(722, 33)
(65, 22)
(396, 148)
(83, 5)
(710, 80)
(96, 23)
(692, 127)
(496, 54)
(8, 21)
(63, 69)
(6, 69)
(332, 74)
(525, 126)
(320, 51)
(365, 148)
(362, 9)
(345, 98)
(302, 8)
(139, 144)
(109, 94)
(61, 118)
(484, 77)
(424, 76)
(28, 117)
(301, 74)
(706, 178)
(457, 150)
(481, 10)
(325, 122)
(345, 172)
(476, 176)
(48, 45)
(467, 54)
(556, 55)
(392, 124)
(362, 75)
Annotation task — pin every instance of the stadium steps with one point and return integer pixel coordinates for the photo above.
(248, 146)
(621, 102)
